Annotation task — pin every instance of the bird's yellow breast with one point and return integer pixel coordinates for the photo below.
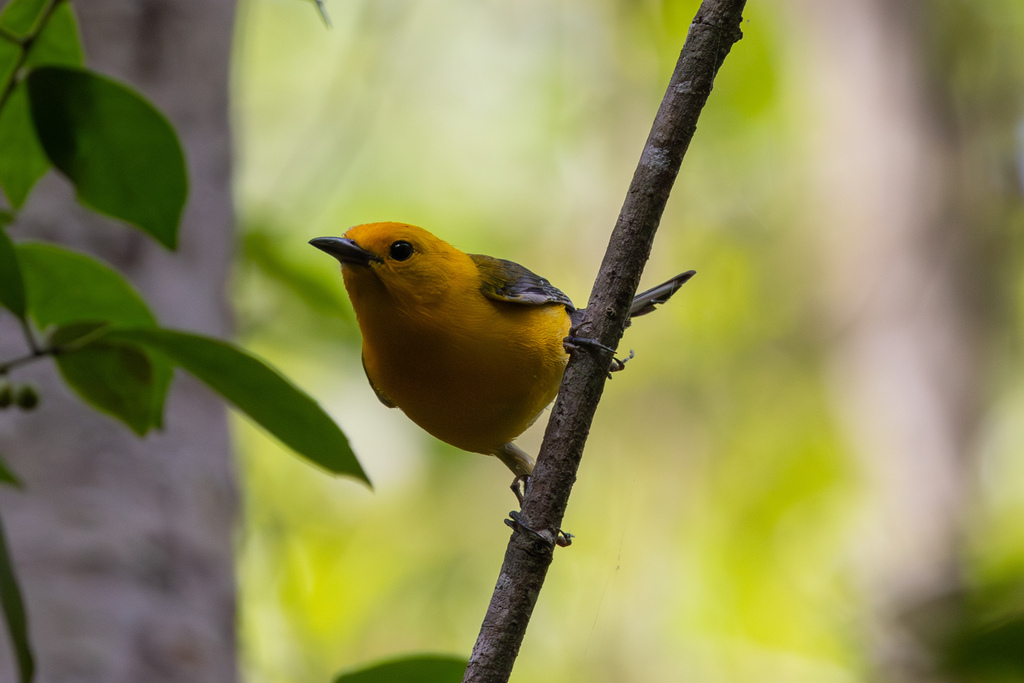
(472, 371)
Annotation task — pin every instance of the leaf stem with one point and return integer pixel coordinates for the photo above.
(30, 338)
(11, 37)
(26, 46)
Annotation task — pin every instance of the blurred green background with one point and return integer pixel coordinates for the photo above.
(812, 468)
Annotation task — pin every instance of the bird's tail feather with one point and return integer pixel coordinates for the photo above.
(644, 302)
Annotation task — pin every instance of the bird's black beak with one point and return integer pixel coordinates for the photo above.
(345, 250)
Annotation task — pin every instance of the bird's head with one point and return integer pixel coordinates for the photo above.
(414, 266)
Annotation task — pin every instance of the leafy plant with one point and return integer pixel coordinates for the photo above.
(124, 160)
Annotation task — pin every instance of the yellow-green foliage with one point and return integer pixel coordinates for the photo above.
(717, 502)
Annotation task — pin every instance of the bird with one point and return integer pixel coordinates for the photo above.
(471, 348)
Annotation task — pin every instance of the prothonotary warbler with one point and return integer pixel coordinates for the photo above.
(470, 347)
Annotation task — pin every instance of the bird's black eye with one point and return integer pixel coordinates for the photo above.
(400, 250)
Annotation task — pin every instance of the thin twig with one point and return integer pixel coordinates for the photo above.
(21, 360)
(35, 351)
(95, 333)
(714, 30)
(15, 362)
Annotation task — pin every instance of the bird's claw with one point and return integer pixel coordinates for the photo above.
(619, 363)
(573, 343)
(559, 538)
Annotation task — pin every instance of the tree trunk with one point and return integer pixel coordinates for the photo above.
(905, 351)
(124, 546)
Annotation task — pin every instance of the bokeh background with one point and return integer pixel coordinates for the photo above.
(811, 472)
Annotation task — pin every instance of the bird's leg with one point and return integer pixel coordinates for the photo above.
(574, 343)
(515, 458)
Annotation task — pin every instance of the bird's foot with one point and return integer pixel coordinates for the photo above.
(573, 343)
(619, 363)
(562, 539)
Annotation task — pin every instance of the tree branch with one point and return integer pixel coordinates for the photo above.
(715, 28)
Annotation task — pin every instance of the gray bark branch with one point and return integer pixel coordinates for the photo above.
(715, 28)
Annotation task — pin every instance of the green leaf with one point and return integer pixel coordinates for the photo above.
(7, 476)
(988, 647)
(65, 286)
(12, 288)
(121, 380)
(77, 293)
(14, 613)
(20, 16)
(269, 399)
(121, 153)
(22, 160)
(415, 669)
(118, 379)
(57, 44)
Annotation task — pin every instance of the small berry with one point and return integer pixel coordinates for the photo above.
(26, 397)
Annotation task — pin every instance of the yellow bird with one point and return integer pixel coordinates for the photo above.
(472, 348)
